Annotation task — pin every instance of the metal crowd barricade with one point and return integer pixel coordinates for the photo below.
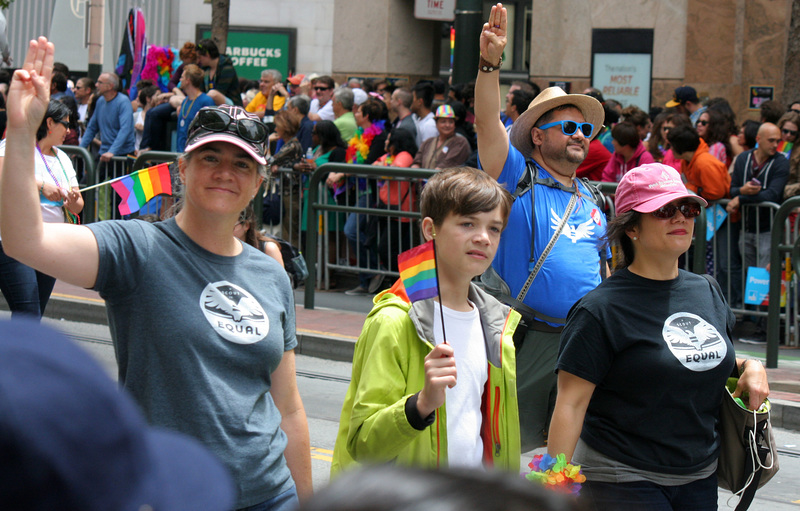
(326, 216)
(85, 170)
(780, 247)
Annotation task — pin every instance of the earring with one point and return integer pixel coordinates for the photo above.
(635, 238)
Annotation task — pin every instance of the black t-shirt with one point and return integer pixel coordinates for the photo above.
(659, 354)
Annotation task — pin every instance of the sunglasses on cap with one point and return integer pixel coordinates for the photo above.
(569, 128)
(216, 120)
(789, 132)
(689, 209)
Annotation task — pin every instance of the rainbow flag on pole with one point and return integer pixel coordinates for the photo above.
(139, 187)
(418, 271)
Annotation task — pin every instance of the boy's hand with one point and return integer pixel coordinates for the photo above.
(440, 374)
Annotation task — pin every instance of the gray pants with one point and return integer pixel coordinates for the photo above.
(755, 248)
(536, 386)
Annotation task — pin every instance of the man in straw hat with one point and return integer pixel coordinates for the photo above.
(548, 142)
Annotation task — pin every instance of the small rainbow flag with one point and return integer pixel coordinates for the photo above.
(785, 148)
(139, 187)
(418, 271)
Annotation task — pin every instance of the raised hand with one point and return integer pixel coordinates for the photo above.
(493, 36)
(29, 92)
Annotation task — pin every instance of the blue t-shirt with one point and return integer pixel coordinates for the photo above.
(572, 268)
(196, 337)
(188, 110)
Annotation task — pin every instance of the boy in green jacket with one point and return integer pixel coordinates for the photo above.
(414, 399)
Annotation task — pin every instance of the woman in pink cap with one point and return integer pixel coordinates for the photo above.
(644, 359)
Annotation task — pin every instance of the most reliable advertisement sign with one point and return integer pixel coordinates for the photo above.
(253, 49)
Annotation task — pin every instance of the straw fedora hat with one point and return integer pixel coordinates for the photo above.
(548, 99)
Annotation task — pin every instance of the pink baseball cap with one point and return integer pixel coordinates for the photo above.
(650, 186)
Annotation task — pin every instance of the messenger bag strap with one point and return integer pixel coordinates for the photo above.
(538, 266)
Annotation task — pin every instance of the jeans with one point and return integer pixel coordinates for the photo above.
(698, 495)
(26, 290)
(286, 501)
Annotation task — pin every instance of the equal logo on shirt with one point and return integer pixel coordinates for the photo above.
(695, 342)
(234, 313)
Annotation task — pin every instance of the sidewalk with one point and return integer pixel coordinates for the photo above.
(330, 332)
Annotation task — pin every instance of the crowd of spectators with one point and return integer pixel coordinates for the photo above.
(698, 137)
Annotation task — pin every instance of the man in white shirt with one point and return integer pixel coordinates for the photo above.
(322, 105)
(422, 113)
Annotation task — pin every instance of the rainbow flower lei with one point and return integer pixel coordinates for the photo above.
(358, 146)
(556, 474)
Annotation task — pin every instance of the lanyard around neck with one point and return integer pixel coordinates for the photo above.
(44, 160)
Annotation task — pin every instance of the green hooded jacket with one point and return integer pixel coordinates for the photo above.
(388, 368)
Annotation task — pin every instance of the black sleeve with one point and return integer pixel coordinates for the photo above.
(376, 149)
(416, 420)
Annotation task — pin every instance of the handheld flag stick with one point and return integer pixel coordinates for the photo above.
(419, 274)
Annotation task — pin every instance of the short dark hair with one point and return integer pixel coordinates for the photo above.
(547, 116)
(636, 116)
(59, 79)
(207, 47)
(521, 99)
(424, 91)
(463, 191)
(771, 111)
(403, 140)
(86, 82)
(625, 134)
(616, 232)
(147, 92)
(750, 128)
(57, 111)
(328, 135)
(372, 110)
(325, 80)
(683, 139)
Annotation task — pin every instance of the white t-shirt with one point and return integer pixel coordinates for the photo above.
(51, 211)
(463, 402)
(325, 112)
(426, 128)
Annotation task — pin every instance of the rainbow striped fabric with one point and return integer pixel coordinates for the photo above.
(785, 148)
(139, 187)
(418, 271)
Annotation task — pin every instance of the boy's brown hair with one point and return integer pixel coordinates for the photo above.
(463, 191)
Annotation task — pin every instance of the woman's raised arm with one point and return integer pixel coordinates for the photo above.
(67, 252)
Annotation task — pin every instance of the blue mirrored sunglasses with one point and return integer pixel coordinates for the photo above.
(569, 128)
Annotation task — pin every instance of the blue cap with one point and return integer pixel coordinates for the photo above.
(70, 439)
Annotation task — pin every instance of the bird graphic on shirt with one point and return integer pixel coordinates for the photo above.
(578, 232)
(230, 302)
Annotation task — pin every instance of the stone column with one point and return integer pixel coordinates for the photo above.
(382, 38)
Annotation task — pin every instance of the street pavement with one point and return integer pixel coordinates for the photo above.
(327, 336)
(330, 330)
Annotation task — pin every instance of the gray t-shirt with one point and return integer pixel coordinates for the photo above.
(197, 336)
